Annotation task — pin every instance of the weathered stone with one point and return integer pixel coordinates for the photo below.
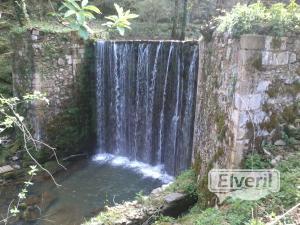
(35, 32)
(275, 58)
(34, 37)
(276, 43)
(6, 169)
(263, 86)
(280, 143)
(61, 62)
(176, 204)
(248, 102)
(252, 42)
(15, 158)
(173, 197)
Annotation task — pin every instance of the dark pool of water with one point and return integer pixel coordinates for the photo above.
(86, 188)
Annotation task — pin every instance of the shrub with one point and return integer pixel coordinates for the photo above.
(210, 216)
(256, 161)
(238, 211)
(186, 182)
(257, 18)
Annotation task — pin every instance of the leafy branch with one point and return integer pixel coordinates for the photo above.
(13, 119)
(120, 21)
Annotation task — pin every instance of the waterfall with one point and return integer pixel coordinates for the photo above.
(145, 94)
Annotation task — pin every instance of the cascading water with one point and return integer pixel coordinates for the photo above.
(146, 100)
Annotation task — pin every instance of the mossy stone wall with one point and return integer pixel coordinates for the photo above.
(248, 97)
(59, 65)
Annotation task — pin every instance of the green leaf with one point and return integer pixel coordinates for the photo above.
(80, 18)
(119, 9)
(84, 3)
(121, 30)
(69, 13)
(83, 33)
(69, 6)
(92, 8)
(74, 4)
(89, 15)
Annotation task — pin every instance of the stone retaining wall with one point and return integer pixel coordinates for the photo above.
(248, 95)
(54, 64)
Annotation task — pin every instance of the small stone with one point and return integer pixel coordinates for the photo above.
(273, 162)
(15, 158)
(156, 191)
(279, 143)
(278, 158)
(6, 169)
(34, 37)
(35, 32)
(61, 62)
(16, 166)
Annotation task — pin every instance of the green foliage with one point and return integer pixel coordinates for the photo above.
(255, 222)
(22, 195)
(120, 21)
(289, 193)
(11, 117)
(153, 12)
(257, 18)
(186, 182)
(78, 15)
(210, 216)
(256, 161)
(164, 219)
(139, 197)
(238, 212)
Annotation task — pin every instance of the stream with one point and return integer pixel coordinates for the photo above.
(87, 186)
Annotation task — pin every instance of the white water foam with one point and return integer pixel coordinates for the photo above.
(155, 172)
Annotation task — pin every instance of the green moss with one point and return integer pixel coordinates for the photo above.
(278, 88)
(205, 197)
(197, 163)
(273, 90)
(10, 150)
(271, 124)
(221, 126)
(290, 113)
(294, 88)
(256, 62)
(298, 70)
(47, 27)
(276, 43)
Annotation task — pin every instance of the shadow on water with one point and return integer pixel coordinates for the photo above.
(86, 188)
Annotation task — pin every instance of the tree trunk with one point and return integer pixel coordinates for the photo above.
(175, 20)
(184, 20)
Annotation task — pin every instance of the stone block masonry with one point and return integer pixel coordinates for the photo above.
(248, 92)
(53, 63)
